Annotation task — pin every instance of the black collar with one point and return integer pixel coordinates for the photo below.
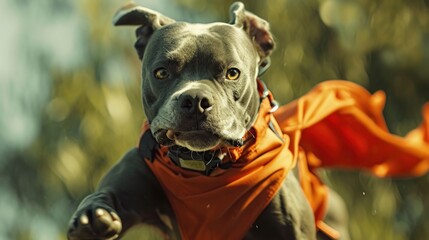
(205, 162)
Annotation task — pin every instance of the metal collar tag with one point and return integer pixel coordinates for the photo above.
(204, 162)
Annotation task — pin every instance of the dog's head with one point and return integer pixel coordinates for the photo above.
(199, 80)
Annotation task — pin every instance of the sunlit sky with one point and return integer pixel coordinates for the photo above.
(30, 32)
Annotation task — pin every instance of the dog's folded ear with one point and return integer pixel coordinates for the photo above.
(147, 19)
(257, 28)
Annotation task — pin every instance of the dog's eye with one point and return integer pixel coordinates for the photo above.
(161, 73)
(232, 74)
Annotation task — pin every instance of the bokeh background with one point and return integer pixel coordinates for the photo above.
(70, 98)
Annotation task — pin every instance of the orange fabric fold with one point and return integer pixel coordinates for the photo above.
(339, 124)
(225, 204)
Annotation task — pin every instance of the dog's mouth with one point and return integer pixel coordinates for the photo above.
(194, 140)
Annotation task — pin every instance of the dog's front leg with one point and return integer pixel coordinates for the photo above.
(288, 216)
(95, 218)
(127, 195)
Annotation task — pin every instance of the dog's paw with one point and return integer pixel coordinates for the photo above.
(96, 223)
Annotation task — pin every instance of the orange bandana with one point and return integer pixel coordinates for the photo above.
(337, 124)
(226, 203)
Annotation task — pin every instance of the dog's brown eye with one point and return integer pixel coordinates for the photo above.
(161, 73)
(232, 74)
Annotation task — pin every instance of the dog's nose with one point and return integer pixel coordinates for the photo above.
(195, 104)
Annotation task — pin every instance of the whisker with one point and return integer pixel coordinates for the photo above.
(253, 136)
(229, 153)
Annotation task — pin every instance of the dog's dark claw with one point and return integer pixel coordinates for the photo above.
(95, 224)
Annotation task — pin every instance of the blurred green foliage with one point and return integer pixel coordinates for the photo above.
(94, 111)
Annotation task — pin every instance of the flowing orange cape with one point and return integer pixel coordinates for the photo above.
(337, 124)
(340, 125)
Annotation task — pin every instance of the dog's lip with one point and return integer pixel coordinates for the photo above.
(173, 134)
(176, 135)
(169, 137)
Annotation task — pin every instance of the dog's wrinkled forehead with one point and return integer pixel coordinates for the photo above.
(215, 42)
(243, 26)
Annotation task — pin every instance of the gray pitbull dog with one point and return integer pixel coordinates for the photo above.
(199, 92)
